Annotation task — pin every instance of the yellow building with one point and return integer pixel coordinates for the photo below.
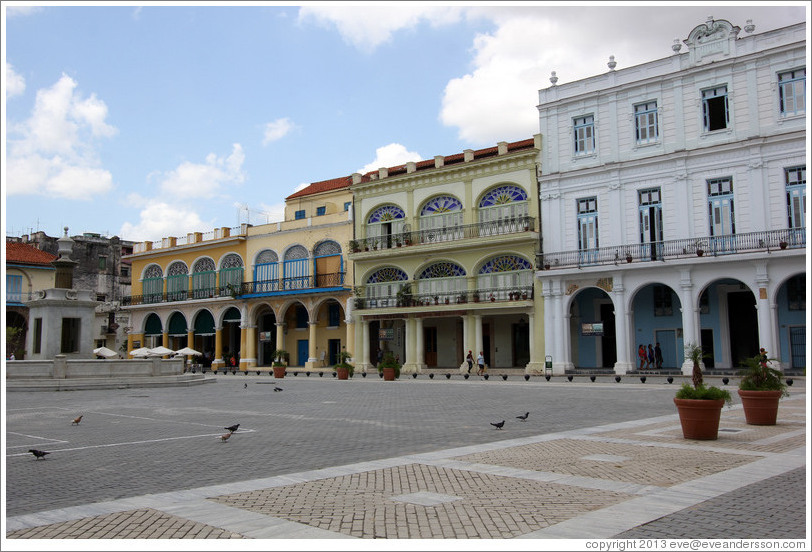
(237, 295)
(444, 259)
(28, 271)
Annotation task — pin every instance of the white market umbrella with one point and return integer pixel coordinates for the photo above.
(160, 351)
(187, 351)
(140, 352)
(105, 352)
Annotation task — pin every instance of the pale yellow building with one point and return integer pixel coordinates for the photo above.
(239, 294)
(444, 258)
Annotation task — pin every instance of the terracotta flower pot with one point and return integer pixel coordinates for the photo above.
(343, 372)
(700, 418)
(760, 407)
(279, 371)
(388, 374)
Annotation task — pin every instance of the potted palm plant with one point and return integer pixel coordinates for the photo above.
(344, 370)
(279, 366)
(389, 367)
(760, 389)
(700, 407)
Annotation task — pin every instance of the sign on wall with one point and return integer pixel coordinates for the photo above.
(592, 328)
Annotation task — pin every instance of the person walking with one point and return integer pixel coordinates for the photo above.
(480, 362)
(470, 360)
(650, 357)
(641, 354)
(658, 356)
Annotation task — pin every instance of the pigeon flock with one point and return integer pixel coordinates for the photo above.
(500, 425)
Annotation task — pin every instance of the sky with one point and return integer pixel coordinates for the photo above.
(146, 120)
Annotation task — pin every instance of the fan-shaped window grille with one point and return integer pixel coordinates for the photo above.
(296, 268)
(177, 281)
(383, 285)
(266, 272)
(204, 278)
(328, 247)
(386, 213)
(503, 210)
(231, 274)
(383, 226)
(442, 279)
(441, 220)
(505, 274)
(153, 284)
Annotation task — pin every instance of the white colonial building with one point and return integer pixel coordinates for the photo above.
(673, 204)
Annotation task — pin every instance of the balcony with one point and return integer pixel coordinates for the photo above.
(284, 286)
(713, 246)
(502, 295)
(443, 235)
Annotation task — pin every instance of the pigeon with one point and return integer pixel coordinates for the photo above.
(498, 425)
(77, 420)
(245, 386)
(233, 428)
(224, 437)
(38, 453)
(523, 418)
(277, 389)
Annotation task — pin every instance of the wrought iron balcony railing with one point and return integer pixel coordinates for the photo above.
(518, 293)
(713, 246)
(267, 287)
(445, 234)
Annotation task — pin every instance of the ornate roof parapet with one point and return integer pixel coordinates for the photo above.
(712, 39)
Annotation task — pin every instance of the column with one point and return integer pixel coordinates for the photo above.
(218, 348)
(243, 335)
(466, 334)
(280, 336)
(190, 342)
(478, 334)
(312, 361)
(364, 346)
(410, 362)
(766, 321)
(420, 345)
(165, 341)
(690, 317)
(623, 364)
(249, 361)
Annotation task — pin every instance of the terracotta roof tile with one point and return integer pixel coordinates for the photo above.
(23, 253)
(323, 186)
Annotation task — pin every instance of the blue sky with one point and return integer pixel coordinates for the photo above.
(157, 120)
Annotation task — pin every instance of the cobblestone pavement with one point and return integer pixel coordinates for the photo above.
(414, 459)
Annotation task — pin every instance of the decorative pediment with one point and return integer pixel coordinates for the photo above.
(712, 38)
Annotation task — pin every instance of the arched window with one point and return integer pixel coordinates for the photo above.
(297, 271)
(443, 279)
(329, 264)
(153, 284)
(266, 271)
(502, 210)
(231, 273)
(504, 275)
(384, 223)
(153, 331)
(441, 219)
(204, 278)
(177, 281)
(383, 285)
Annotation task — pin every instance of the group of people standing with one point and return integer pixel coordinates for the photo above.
(480, 362)
(651, 357)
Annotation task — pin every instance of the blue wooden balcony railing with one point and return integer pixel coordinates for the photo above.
(304, 284)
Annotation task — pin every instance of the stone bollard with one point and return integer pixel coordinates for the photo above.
(60, 367)
(156, 366)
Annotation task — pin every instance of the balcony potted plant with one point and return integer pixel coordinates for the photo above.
(760, 389)
(389, 367)
(280, 357)
(700, 407)
(344, 370)
(354, 246)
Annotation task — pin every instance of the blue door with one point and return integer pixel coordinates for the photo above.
(302, 351)
(668, 343)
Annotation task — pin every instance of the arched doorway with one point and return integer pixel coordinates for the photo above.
(266, 336)
(178, 331)
(728, 323)
(658, 319)
(791, 312)
(231, 334)
(592, 329)
(204, 336)
(153, 331)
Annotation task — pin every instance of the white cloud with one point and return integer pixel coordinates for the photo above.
(158, 220)
(22, 11)
(276, 130)
(367, 27)
(15, 83)
(53, 152)
(205, 180)
(390, 156)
